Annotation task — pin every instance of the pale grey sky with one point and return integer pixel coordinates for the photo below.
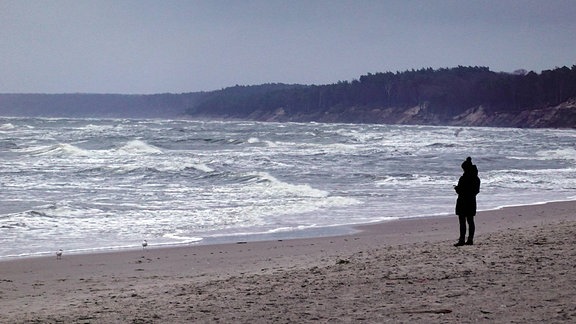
(144, 46)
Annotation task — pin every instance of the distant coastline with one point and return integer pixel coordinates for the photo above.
(461, 96)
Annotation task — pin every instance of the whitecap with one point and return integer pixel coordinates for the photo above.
(271, 144)
(202, 167)
(560, 154)
(5, 127)
(180, 238)
(275, 186)
(57, 149)
(138, 146)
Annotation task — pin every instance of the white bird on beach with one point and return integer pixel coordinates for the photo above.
(59, 254)
(144, 244)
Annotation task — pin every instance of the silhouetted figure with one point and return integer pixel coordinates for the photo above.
(467, 189)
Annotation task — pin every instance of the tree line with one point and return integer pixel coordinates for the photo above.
(445, 92)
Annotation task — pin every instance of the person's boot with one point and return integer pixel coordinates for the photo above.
(470, 241)
(459, 243)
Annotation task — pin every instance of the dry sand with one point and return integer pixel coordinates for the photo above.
(521, 270)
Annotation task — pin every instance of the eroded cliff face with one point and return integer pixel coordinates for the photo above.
(174, 106)
(561, 116)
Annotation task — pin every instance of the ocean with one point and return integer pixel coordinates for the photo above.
(89, 185)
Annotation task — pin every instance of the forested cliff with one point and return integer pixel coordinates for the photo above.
(457, 96)
(473, 96)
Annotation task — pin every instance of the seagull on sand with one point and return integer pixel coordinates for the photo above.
(59, 254)
(144, 244)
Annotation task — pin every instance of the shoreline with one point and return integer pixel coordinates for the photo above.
(318, 233)
(220, 282)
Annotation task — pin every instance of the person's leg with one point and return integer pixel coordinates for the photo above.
(462, 222)
(471, 230)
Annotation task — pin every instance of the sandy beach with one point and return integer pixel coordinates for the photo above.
(520, 270)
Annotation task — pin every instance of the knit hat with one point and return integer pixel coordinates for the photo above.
(466, 165)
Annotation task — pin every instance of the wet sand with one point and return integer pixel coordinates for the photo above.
(521, 269)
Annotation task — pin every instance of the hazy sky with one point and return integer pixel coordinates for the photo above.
(141, 46)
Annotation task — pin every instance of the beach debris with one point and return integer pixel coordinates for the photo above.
(540, 241)
(430, 311)
(59, 254)
(315, 270)
(343, 261)
(144, 244)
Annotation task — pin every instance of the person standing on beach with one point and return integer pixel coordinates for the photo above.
(467, 189)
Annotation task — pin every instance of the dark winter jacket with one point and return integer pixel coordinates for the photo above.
(467, 189)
